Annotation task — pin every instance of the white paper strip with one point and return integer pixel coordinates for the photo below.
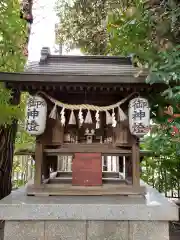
(63, 119)
(108, 118)
(72, 119)
(81, 120)
(88, 118)
(122, 115)
(53, 113)
(114, 122)
(97, 120)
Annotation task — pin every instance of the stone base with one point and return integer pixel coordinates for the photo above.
(86, 230)
(87, 217)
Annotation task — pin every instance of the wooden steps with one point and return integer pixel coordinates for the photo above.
(107, 178)
(104, 174)
(64, 180)
(62, 186)
(64, 174)
(69, 190)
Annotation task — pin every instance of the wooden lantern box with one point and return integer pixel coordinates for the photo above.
(96, 80)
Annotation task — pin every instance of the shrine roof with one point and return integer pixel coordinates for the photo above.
(81, 65)
(87, 69)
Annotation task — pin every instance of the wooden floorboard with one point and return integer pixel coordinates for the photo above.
(68, 189)
(105, 149)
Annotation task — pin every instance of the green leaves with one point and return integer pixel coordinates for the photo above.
(167, 68)
(12, 37)
(12, 40)
(161, 170)
(82, 24)
(131, 32)
(146, 32)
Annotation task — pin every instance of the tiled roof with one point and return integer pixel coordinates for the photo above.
(80, 68)
(80, 65)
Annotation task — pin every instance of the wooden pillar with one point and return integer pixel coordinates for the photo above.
(135, 164)
(128, 171)
(38, 163)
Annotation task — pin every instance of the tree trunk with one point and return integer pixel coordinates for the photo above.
(7, 140)
(8, 133)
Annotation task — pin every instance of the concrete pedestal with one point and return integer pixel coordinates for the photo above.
(87, 218)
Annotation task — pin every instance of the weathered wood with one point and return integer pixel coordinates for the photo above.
(48, 152)
(93, 59)
(62, 180)
(87, 81)
(105, 174)
(53, 134)
(39, 154)
(105, 149)
(69, 78)
(135, 165)
(128, 168)
(87, 169)
(57, 132)
(121, 135)
(68, 189)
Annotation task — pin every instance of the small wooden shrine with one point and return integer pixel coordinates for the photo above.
(86, 107)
